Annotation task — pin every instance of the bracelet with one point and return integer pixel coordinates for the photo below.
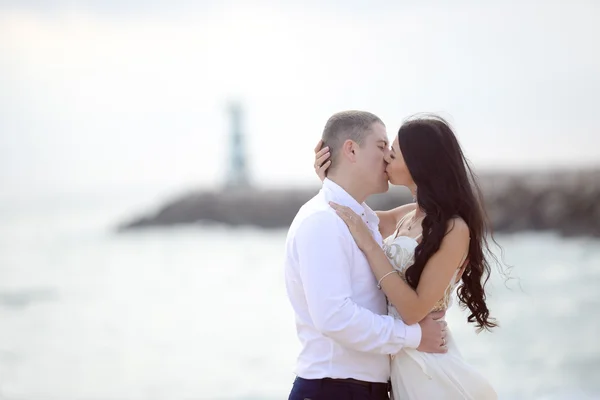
(383, 277)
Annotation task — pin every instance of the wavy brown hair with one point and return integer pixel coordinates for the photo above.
(446, 189)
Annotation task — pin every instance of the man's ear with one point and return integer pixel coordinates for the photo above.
(349, 150)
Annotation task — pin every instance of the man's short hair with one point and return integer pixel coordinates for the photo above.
(344, 125)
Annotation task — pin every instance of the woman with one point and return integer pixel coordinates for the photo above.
(431, 247)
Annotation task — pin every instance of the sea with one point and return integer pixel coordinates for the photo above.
(200, 312)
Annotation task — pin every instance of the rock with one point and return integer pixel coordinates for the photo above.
(565, 202)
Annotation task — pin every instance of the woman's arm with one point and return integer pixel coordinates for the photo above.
(412, 305)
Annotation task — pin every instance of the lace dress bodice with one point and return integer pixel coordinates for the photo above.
(400, 251)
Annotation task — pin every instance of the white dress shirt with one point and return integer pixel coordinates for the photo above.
(340, 313)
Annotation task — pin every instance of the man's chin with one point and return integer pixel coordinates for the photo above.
(384, 187)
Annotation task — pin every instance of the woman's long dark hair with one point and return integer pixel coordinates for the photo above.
(447, 188)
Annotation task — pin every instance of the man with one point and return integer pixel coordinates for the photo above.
(341, 320)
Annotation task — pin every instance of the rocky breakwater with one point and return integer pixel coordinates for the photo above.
(564, 202)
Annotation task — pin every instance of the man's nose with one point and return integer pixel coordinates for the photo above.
(387, 157)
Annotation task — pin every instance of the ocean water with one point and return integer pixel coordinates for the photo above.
(201, 312)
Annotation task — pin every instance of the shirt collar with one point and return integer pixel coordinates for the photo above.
(340, 196)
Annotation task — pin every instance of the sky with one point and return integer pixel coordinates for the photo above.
(130, 95)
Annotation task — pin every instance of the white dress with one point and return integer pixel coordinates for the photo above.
(424, 376)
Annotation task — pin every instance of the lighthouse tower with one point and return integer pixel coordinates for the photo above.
(237, 173)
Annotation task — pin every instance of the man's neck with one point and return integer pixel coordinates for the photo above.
(350, 185)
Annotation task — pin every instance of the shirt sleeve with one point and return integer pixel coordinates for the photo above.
(324, 257)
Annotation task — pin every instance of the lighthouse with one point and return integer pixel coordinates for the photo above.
(237, 173)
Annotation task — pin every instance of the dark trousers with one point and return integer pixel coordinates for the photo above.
(334, 389)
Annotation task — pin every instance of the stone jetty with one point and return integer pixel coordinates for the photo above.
(567, 202)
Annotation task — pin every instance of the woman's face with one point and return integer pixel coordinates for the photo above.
(397, 170)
